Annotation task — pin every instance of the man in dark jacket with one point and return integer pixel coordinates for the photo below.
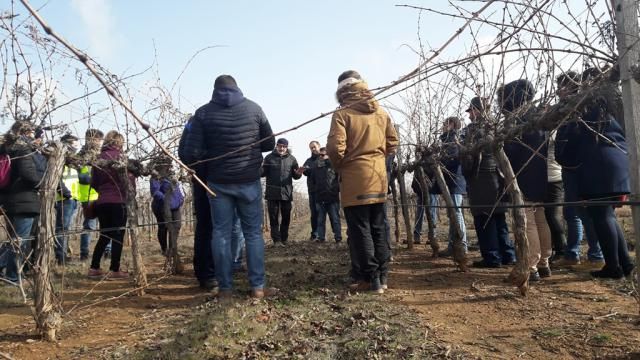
(327, 197)
(229, 135)
(280, 168)
(308, 166)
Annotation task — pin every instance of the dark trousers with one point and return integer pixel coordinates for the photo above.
(113, 219)
(611, 237)
(163, 226)
(280, 207)
(314, 215)
(203, 264)
(493, 237)
(555, 193)
(368, 245)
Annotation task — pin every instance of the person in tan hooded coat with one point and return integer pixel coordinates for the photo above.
(361, 136)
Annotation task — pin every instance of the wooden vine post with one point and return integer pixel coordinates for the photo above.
(139, 271)
(394, 195)
(426, 204)
(404, 198)
(47, 309)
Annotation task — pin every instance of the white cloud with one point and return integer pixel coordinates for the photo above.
(99, 24)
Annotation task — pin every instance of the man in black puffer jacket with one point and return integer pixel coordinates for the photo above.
(327, 197)
(229, 135)
(280, 168)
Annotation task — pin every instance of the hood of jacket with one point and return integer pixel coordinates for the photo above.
(358, 97)
(227, 96)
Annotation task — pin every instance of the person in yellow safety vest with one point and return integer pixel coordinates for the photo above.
(90, 150)
(66, 202)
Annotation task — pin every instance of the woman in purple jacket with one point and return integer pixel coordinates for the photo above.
(111, 206)
(164, 188)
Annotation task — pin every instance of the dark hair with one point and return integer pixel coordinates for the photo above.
(314, 142)
(224, 81)
(457, 124)
(68, 138)
(515, 94)
(323, 149)
(21, 127)
(94, 133)
(349, 74)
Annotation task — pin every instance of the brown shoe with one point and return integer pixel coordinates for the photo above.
(224, 296)
(566, 262)
(264, 292)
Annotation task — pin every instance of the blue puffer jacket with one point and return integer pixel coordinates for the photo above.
(601, 165)
(228, 123)
(452, 170)
(159, 188)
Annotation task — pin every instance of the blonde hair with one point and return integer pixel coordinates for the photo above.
(114, 138)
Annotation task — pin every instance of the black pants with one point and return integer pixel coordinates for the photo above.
(611, 237)
(203, 265)
(314, 215)
(163, 227)
(276, 207)
(368, 246)
(113, 219)
(555, 193)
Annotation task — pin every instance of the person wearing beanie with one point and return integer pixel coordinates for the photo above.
(228, 135)
(280, 168)
(360, 138)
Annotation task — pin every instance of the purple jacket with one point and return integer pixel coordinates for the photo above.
(107, 182)
(158, 188)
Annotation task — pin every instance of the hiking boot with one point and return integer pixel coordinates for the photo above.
(534, 276)
(118, 275)
(482, 264)
(95, 273)
(544, 272)
(264, 292)
(564, 262)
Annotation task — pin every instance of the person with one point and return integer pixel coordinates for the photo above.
(453, 177)
(578, 222)
(327, 197)
(527, 155)
(166, 191)
(66, 201)
(280, 167)
(111, 205)
(308, 166)
(20, 198)
(485, 187)
(597, 149)
(360, 138)
(203, 263)
(229, 135)
(88, 154)
(554, 194)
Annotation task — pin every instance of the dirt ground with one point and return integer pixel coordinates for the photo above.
(430, 311)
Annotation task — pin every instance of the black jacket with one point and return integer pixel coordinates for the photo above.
(280, 170)
(326, 182)
(229, 126)
(21, 196)
(309, 165)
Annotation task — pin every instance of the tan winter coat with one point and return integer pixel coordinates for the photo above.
(359, 140)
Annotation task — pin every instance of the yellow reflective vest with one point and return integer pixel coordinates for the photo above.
(71, 181)
(85, 192)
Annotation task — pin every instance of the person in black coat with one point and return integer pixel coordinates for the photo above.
(597, 149)
(280, 168)
(308, 166)
(485, 188)
(20, 198)
(327, 197)
(528, 154)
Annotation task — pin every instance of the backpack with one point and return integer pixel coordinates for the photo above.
(5, 171)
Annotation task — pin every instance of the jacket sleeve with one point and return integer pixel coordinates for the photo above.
(155, 188)
(26, 168)
(193, 147)
(182, 142)
(391, 136)
(294, 169)
(307, 167)
(266, 132)
(337, 140)
(265, 167)
(84, 178)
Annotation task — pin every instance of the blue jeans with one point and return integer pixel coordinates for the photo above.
(457, 200)
(417, 231)
(237, 242)
(333, 210)
(577, 221)
(22, 225)
(246, 199)
(493, 237)
(65, 209)
(85, 237)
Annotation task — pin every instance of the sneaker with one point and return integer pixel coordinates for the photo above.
(359, 286)
(376, 286)
(95, 273)
(383, 282)
(482, 264)
(264, 292)
(564, 262)
(534, 276)
(544, 272)
(118, 275)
